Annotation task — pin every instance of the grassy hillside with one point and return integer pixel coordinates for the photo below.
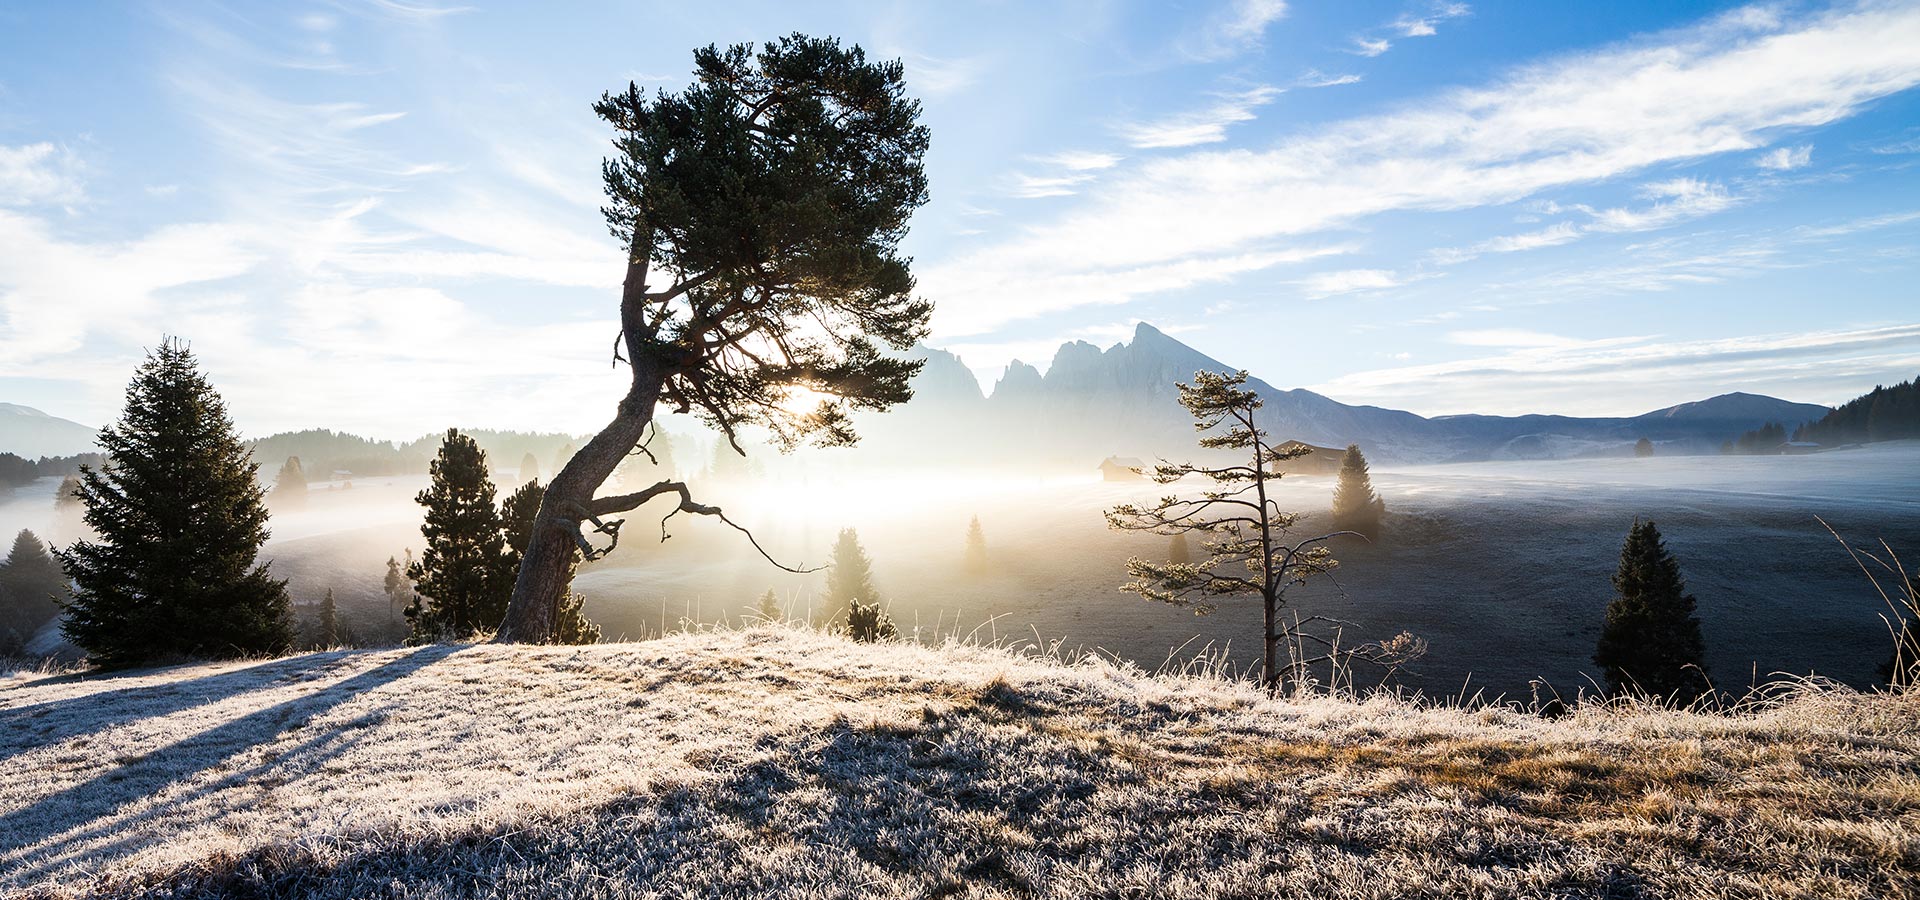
(784, 762)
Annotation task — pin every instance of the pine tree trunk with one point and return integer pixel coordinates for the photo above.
(546, 569)
(1271, 674)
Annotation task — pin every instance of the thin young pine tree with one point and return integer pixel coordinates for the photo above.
(290, 485)
(329, 622)
(1651, 644)
(1356, 507)
(1244, 534)
(465, 571)
(976, 561)
(850, 580)
(179, 518)
(767, 608)
(32, 584)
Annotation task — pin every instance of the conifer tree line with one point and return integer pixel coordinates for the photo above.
(1883, 414)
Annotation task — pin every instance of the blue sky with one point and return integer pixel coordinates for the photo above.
(381, 216)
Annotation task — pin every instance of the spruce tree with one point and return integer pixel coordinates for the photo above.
(290, 485)
(179, 517)
(850, 578)
(529, 469)
(329, 622)
(1355, 506)
(396, 584)
(1651, 643)
(976, 548)
(768, 607)
(32, 587)
(67, 496)
(465, 572)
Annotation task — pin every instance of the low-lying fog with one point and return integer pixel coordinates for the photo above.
(1502, 567)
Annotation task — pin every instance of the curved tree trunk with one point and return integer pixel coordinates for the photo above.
(546, 568)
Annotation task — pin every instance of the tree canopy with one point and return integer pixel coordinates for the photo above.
(180, 517)
(769, 198)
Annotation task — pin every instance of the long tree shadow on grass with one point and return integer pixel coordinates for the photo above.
(86, 810)
(26, 727)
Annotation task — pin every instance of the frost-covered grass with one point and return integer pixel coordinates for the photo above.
(784, 762)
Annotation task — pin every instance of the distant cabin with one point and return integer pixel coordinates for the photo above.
(1318, 461)
(1122, 468)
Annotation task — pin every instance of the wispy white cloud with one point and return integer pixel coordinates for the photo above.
(1204, 126)
(1632, 375)
(1237, 26)
(39, 173)
(1369, 47)
(1080, 160)
(1314, 78)
(1676, 199)
(1730, 85)
(1426, 24)
(1033, 187)
(1348, 281)
(1782, 159)
(941, 75)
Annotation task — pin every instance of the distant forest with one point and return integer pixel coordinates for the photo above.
(324, 452)
(18, 470)
(1883, 414)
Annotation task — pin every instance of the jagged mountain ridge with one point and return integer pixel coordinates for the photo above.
(1122, 400)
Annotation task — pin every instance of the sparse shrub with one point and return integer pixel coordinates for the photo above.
(465, 572)
(1651, 644)
(867, 623)
(180, 517)
(976, 561)
(1355, 506)
(571, 626)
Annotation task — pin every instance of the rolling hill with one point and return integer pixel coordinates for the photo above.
(783, 762)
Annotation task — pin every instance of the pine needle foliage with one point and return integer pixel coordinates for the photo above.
(32, 588)
(849, 578)
(762, 208)
(464, 575)
(976, 560)
(1651, 645)
(180, 517)
(1246, 540)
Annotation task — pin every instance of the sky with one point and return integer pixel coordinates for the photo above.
(381, 216)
